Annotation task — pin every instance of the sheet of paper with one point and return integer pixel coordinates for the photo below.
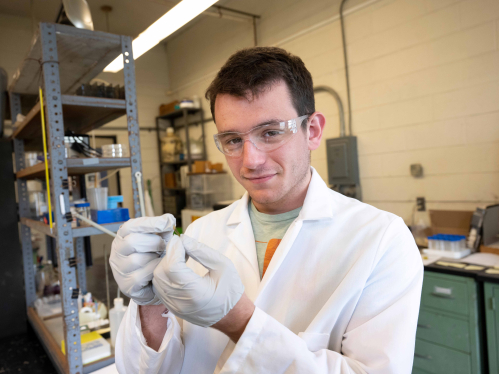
(474, 267)
(483, 259)
(451, 264)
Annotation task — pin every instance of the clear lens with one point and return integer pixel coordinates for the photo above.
(273, 133)
(265, 137)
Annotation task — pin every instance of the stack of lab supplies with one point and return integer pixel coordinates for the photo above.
(453, 246)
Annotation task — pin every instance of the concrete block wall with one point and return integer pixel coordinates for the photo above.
(424, 81)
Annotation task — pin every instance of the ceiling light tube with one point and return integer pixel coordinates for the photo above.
(170, 22)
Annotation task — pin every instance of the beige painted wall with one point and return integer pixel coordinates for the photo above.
(424, 82)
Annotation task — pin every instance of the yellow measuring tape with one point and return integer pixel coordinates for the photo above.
(45, 155)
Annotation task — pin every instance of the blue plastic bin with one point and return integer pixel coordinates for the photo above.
(110, 215)
(112, 201)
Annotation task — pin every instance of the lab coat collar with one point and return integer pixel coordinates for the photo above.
(318, 204)
(319, 201)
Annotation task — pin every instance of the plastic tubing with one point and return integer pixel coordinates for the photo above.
(97, 226)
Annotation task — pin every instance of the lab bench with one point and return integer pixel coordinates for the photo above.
(458, 325)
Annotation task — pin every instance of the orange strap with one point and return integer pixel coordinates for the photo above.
(269, 253)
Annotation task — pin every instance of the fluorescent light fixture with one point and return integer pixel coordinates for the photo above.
(170, 22)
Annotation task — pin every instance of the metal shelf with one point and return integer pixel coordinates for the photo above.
(60, 59)
(175, 188)
(78, 232)
(81, 114)
(53, 348)
(81, 56)
(179, 113)
(77, 166)
(179, 162)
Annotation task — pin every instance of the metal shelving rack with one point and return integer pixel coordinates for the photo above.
(185, 124)
(61, 58)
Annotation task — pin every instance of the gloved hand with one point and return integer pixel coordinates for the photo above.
(136, 252)
(202, 301)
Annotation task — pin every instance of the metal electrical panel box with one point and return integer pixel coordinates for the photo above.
(342, 161)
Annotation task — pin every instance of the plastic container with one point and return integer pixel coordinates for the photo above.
(72, 209)
(97, 198)
(205, 190)
(82, 209)
(48, 306)
(110, 215)
(210, 183)
(37, 199)
(171, 146)
(31, 159)
(115, 316)
(112, 201)
(445, 242)
(115, 150)
(201, 201)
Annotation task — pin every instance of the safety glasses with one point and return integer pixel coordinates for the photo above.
(266, 137)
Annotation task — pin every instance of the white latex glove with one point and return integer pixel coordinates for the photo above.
(202, 301)
(136, 252)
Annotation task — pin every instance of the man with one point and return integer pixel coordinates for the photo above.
(293, 277)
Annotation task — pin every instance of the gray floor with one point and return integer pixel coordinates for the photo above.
(24, 354)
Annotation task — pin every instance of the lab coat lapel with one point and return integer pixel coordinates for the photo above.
(279, 255)
(243, 239)
(317, 205)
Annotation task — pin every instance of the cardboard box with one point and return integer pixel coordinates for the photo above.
(455, 222)
(218, 167)
(201, 166)
(165, 109)
(170, 180)
(489, 250)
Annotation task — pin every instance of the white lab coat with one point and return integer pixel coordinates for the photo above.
(341, 295)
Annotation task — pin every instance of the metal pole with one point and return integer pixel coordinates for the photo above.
(255, 36)
(204, 138)
(162, 180)
(22, 191)
(59, 183)
(132, 117)
(187, 140)
(343, 38)
(338, 102)
(81, 265)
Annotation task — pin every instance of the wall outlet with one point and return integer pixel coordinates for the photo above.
(417, 170)
(421, 204)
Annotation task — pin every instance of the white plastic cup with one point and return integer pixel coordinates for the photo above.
(97, 197)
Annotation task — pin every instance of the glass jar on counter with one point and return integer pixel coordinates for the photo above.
(82, 209)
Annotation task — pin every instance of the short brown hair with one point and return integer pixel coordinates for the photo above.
(250, 71)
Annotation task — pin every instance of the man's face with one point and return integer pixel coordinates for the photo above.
(269, 177)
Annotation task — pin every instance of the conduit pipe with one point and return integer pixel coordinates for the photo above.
(341, 113)
(343, 38)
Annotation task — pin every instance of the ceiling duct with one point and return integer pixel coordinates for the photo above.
(78, 12)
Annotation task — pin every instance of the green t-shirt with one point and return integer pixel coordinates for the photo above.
(269, 229)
